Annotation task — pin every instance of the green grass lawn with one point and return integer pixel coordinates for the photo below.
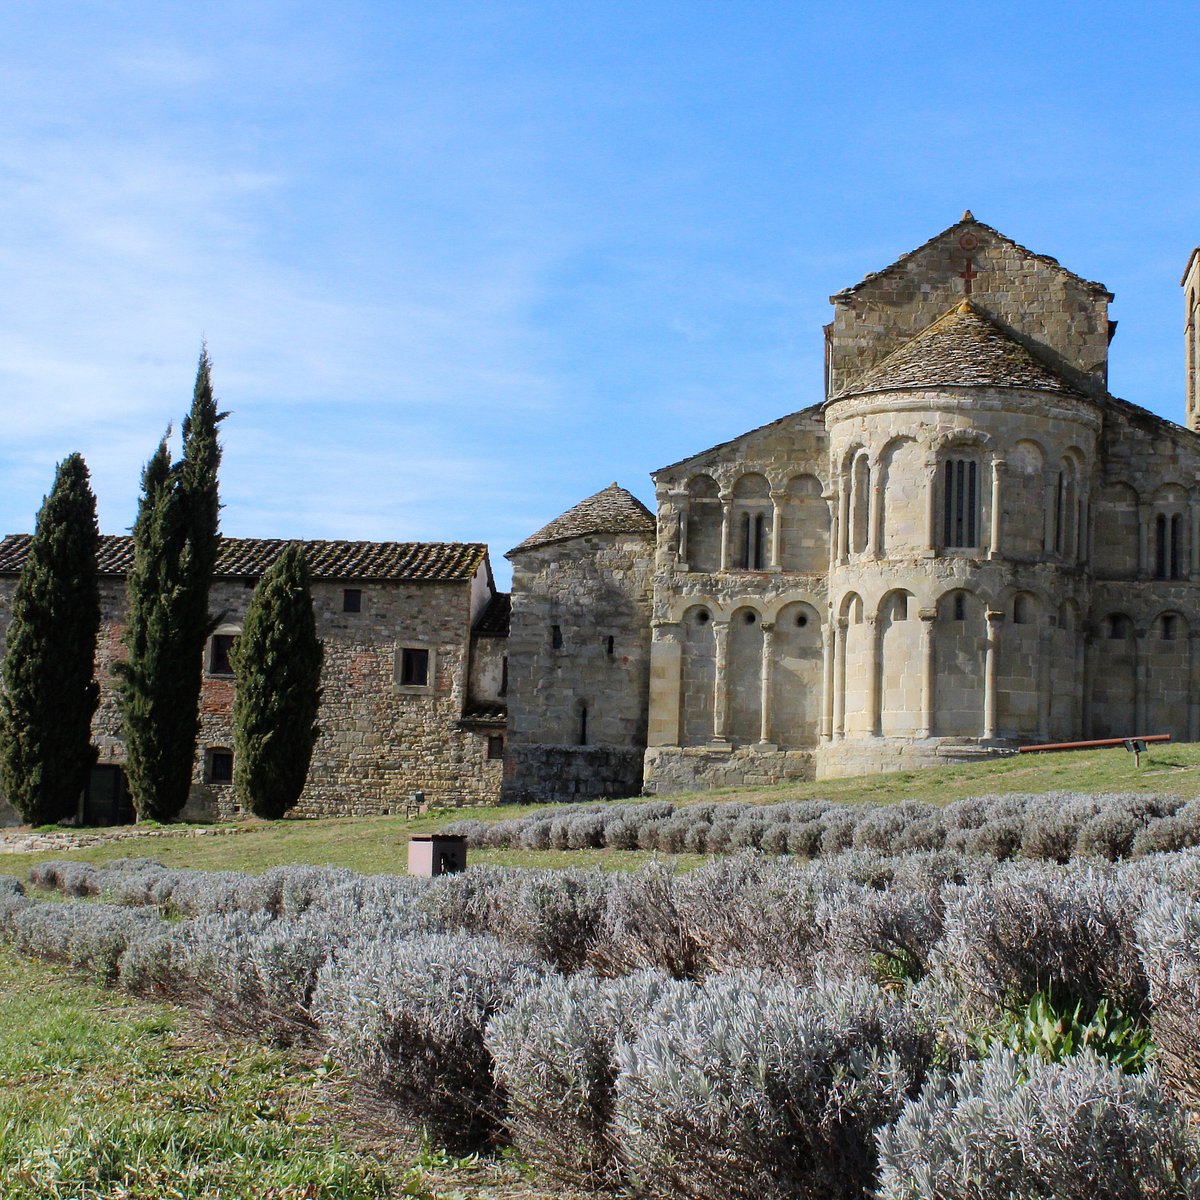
(106, 1097)
(374, 844)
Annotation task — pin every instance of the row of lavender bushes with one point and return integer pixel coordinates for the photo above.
(755, 1028)
(1055, 826)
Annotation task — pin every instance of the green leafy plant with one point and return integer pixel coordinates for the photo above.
(1040, 1028)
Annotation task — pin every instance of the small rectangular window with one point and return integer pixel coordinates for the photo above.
(414, 667)
(496, 746)
(556, 636)
(220, 766)
(219, 660)
(352, 600)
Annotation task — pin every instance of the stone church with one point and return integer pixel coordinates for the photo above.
(966, 545)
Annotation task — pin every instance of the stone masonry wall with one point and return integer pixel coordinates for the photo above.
(379, 741)
(579, 660)
(1036, 300)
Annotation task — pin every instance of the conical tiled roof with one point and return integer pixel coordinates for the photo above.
(962, 348)
(613, 510)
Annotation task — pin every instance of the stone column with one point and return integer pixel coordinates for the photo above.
(726, 528)
(835, 529)
(927, 617)
(1194, 556)
(684, 509)
(1085, 526)
(1141, 663)
(873, 673)
(839, 679)
(989, 673)
(874, 547)
(1089, 679)
(1079, 703)
(768, 660)
(1045, 680)
(828, 651)
(930, 507)
(1145, 516)
(777, 500)
(721, 682)
(998, 469)
(843, 518)
(670, 527)
(1194, 685)
(666, 679)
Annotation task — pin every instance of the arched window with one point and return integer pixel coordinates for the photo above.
(1176, 546)
(960, 503)
(752, 511)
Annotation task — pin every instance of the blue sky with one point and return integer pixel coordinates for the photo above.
(461, 265)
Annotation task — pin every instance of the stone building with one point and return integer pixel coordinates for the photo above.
(967, 544)
(413, 678)
(579, 652)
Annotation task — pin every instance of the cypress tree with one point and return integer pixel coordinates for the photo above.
(277, 665)
(175, 541)
(50, 692)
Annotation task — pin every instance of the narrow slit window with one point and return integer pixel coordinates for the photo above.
(747, 557)
(760, 529)
(960, 504)
(960, 607)
(611, 642)
(556, 637)
(1160, 547)
(583, 724)
(504, 676)
(1176, 547)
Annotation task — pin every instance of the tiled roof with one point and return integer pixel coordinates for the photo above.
(434, 562)
(968, 218)
(962, 348)
(613, 510)
(494, 620)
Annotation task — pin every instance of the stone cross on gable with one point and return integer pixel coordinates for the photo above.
(969, 273)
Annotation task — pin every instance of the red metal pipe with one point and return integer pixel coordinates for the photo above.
(1096, 744)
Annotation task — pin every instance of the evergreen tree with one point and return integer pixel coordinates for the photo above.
(277, 664)
(50, 692)
(175, 547)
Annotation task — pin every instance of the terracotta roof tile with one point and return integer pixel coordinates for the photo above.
(962, 348)
(613, 510)
(434, 562)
